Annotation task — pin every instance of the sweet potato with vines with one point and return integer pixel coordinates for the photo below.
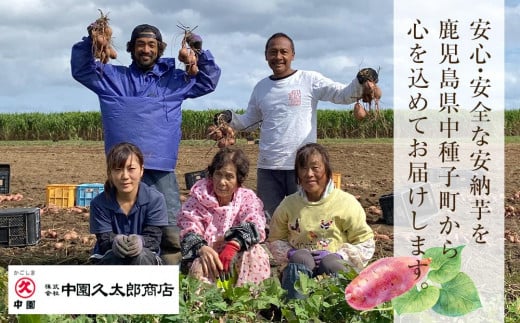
(101, 34)
(188, 55)
(385, 279)
(222, 133)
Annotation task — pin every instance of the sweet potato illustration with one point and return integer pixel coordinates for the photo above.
(385, 279)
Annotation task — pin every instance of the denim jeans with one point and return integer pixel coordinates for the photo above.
(290, 275)
(303, 261)
(166, 183)
(146, 257)
(273, 186)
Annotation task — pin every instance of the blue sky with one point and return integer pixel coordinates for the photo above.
(335, 37)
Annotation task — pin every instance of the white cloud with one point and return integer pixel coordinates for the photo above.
(334, 37)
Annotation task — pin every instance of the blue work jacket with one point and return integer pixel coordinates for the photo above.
(143, 108)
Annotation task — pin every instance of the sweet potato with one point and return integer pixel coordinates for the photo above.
(377, 93)
(214, 133)
(183, 55)
(222, 133)
(384, 280)
(225, 141)
(101, 34)
(192, 68)
(188, 55)
(359, 111)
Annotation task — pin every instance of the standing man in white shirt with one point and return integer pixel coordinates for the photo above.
(286, 105)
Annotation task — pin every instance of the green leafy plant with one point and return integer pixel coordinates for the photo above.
(3, 295)
(513, 311)
(324, 301)
(202, 302)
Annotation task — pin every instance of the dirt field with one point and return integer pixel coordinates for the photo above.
(366, 170)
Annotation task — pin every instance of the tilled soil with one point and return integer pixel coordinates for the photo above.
(366, 172)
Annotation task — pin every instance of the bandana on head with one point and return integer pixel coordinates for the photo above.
(146, 31)
(147, 35)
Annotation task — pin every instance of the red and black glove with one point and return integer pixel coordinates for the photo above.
(228, 253)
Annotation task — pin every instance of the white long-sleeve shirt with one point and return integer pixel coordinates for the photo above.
(287, 109)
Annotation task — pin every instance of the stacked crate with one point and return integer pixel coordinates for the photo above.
(60, 195)
(5, 178)
(70, 195)
(336, 178)
(193, 177)
(387, 206)
(399, 203)
(19, 227)
(86, 192)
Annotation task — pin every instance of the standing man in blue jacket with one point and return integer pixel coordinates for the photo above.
(141, 104)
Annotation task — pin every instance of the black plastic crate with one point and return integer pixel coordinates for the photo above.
(398, 202)
(19, 227)
(387, 205)
(5, 178)
(193, 177)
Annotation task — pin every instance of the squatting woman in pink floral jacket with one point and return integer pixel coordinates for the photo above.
(222, 224)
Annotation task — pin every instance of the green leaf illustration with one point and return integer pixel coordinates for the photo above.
(444, 266)
(416, 300)
(457, 297)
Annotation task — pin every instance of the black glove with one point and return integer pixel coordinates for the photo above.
(194, 41)
(225, 115)
(367, 74)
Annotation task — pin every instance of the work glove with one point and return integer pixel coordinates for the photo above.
(226, 281)
(370, 91)
(367, 74)
(90, 28)
(119, 246)
(134, 245)
(318, 255)
(225, 116)
(195, 42)
(290, 253)
(227, 254)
